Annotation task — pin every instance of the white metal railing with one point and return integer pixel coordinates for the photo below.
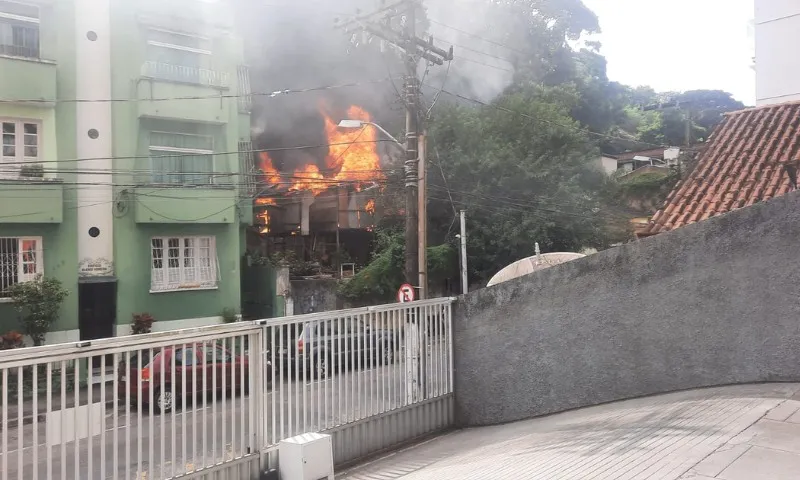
(178, 73)
(196, 401)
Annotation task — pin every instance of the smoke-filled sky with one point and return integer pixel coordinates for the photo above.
(669, 45)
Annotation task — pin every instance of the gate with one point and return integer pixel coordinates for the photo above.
(215, 402)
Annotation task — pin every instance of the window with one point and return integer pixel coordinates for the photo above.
(20, 145)
(185, 357)
(19, 29)
(182, 158)
(20, 261)
(183, 263)
(178, 57)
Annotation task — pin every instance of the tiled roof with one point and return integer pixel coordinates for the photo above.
(742, 164)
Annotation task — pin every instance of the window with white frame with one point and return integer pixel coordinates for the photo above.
(20, 261)
(19, 29)
(20, 144)
(178, 57)
(182, 158)
(183, 263)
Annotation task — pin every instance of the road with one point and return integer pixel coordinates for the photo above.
(132, 442)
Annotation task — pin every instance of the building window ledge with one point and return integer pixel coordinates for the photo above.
(6, 300)
(186, 289)
(28, 59)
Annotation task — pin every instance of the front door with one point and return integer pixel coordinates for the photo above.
(97, 306)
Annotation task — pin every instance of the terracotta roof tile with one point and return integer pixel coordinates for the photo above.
(741, 165)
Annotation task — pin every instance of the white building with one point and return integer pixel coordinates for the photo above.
(777, 65)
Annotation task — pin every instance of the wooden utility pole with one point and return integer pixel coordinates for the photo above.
(414, 49)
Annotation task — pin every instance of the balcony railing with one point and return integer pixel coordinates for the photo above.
(19, 40)
(245, 97)
(178, 73)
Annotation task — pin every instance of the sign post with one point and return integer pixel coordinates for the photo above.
(406, 294)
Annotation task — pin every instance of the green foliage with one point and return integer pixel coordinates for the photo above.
(38, 303)
(229, 315)
(380, 279)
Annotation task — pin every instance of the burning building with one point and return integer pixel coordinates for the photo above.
(320, 202)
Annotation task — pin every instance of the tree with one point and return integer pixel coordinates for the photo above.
(38, 303)
(523, 177)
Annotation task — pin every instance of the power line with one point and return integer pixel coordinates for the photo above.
(180, 155)
(476, 36)
(201, 97)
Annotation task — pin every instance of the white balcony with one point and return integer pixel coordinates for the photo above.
(181, 74)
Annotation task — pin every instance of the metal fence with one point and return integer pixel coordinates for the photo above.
(179, 73)
(216, 401)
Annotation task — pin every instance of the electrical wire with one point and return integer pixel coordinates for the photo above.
(199, 97)
(476, 36)
(180, 155)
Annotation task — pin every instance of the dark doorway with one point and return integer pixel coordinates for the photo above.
(97, 307)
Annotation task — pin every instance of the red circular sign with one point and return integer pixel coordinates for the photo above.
(406, 293)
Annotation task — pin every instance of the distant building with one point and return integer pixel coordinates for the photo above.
(751, 157)
(658, 158)
(777, 28)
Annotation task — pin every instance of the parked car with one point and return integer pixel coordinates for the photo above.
(197, 366)
(324, 347)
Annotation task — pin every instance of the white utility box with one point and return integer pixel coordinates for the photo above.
(306, 457)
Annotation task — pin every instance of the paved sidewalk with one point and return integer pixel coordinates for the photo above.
(732, 433)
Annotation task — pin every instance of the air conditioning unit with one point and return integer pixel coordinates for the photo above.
(306, 457)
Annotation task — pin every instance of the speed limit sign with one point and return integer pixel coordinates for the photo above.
(405, 294)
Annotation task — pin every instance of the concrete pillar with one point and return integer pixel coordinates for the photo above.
(93, 126)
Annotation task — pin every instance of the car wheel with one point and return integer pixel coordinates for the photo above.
(321, 367)
(164, 401)
(388, 355)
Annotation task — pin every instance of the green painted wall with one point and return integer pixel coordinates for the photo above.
(59, 262)
(133, 121)
(48, 81)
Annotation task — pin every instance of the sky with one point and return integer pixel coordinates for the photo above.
(677, 45)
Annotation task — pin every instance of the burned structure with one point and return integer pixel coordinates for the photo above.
(317, 203)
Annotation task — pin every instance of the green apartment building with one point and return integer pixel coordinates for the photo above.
(126, 166)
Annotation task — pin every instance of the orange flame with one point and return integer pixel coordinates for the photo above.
(271, 174)
(353, 153)
(263, 201)
(352, 158)
(370, 206)
(309, 178)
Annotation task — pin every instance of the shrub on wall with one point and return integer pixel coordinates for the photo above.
(38, 303)
(142, 323)
(229, 315)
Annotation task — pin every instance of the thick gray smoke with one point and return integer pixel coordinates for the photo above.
(295, 45)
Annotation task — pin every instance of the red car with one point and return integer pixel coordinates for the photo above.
(197, 366)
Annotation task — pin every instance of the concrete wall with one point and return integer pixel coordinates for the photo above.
(713, 303)
(777, 26)
(310, 296)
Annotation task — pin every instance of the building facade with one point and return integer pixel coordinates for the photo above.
(777, 28)
(127, 170)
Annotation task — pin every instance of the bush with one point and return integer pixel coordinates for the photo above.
(38, 303)
(11, 340)
(142, 323)
(229, 315)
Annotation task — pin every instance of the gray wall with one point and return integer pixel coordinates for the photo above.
(709, 304)
(317, 295)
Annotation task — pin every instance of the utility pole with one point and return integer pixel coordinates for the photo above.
(414, 49)
(464, 284)
(422, 218)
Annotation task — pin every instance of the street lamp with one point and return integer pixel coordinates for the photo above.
(349, 123)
